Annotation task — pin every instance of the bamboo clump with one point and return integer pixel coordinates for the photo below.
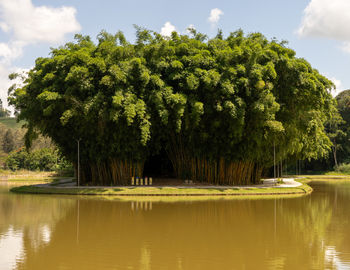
(217, 171)
(212, 171)
(112, 172)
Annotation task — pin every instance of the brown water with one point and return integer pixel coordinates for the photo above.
(64, 232)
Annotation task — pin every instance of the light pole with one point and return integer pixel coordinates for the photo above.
(274, 160)
(78, 174)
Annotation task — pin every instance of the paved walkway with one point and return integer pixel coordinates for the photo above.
(287, 183)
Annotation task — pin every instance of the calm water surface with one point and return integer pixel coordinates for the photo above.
(63, 232)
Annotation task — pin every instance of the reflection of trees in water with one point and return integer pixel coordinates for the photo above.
(306, 222)
(327, 226)
(338, 233)
(188, 235)
(32, 215)
(20, 211)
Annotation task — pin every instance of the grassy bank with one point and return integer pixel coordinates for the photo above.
(255, 192)
(162, 191)
(184, 198)
(25, 175)
(328, 178)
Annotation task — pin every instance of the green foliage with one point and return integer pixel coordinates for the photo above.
(8, 143)
(343, 168)
(222, 99)
(335, 132)
(338, 131)
(44, 159)
(341, 129)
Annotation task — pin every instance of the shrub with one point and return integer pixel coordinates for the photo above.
(343, 168)
(45, 159)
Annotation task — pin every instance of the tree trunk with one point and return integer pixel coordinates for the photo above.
(335, 155)
(111, 172)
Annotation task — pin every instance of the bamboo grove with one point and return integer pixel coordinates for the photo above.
(217, 106)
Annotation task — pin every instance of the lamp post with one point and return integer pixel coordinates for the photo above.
(274, 161)
(78, 174)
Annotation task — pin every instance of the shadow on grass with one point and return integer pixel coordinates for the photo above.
(119, 189)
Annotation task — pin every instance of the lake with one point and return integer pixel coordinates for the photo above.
(70, 232)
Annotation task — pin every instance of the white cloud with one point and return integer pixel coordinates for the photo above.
(5, 82)
(27, 24)
(215, 15)
(10, 51)
(346, 46)
(31, 24)
(4, 27)
(327, 19)
(167, 29)
(338, 86)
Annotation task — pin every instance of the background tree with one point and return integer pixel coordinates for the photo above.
(8, 143)
(335, 132)
(342, 134)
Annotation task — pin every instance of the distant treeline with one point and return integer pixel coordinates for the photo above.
(41, 156)
(10, 138)
(338, 130)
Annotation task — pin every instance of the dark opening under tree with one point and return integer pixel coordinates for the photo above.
(217, 106)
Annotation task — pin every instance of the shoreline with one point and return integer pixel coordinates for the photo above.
(66, 187)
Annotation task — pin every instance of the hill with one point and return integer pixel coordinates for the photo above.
(11, 122)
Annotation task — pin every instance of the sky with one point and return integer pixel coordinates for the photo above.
(318, 30)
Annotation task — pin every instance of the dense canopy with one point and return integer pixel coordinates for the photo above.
(217, 106)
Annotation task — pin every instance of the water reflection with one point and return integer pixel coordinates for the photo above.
(213, 235)
(64, 232)
(26, 223)
(333, 259)
(141, 205)
(11, 248)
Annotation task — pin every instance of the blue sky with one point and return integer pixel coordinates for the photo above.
(318, 30)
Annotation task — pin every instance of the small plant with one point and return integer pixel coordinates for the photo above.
(280, 181)
(343, 168)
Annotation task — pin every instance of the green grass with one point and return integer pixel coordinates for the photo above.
(48, 179)
(162, 191)
(28, 176)
(27, 173)
(11, 122)
(328, 178)
(337, 173)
